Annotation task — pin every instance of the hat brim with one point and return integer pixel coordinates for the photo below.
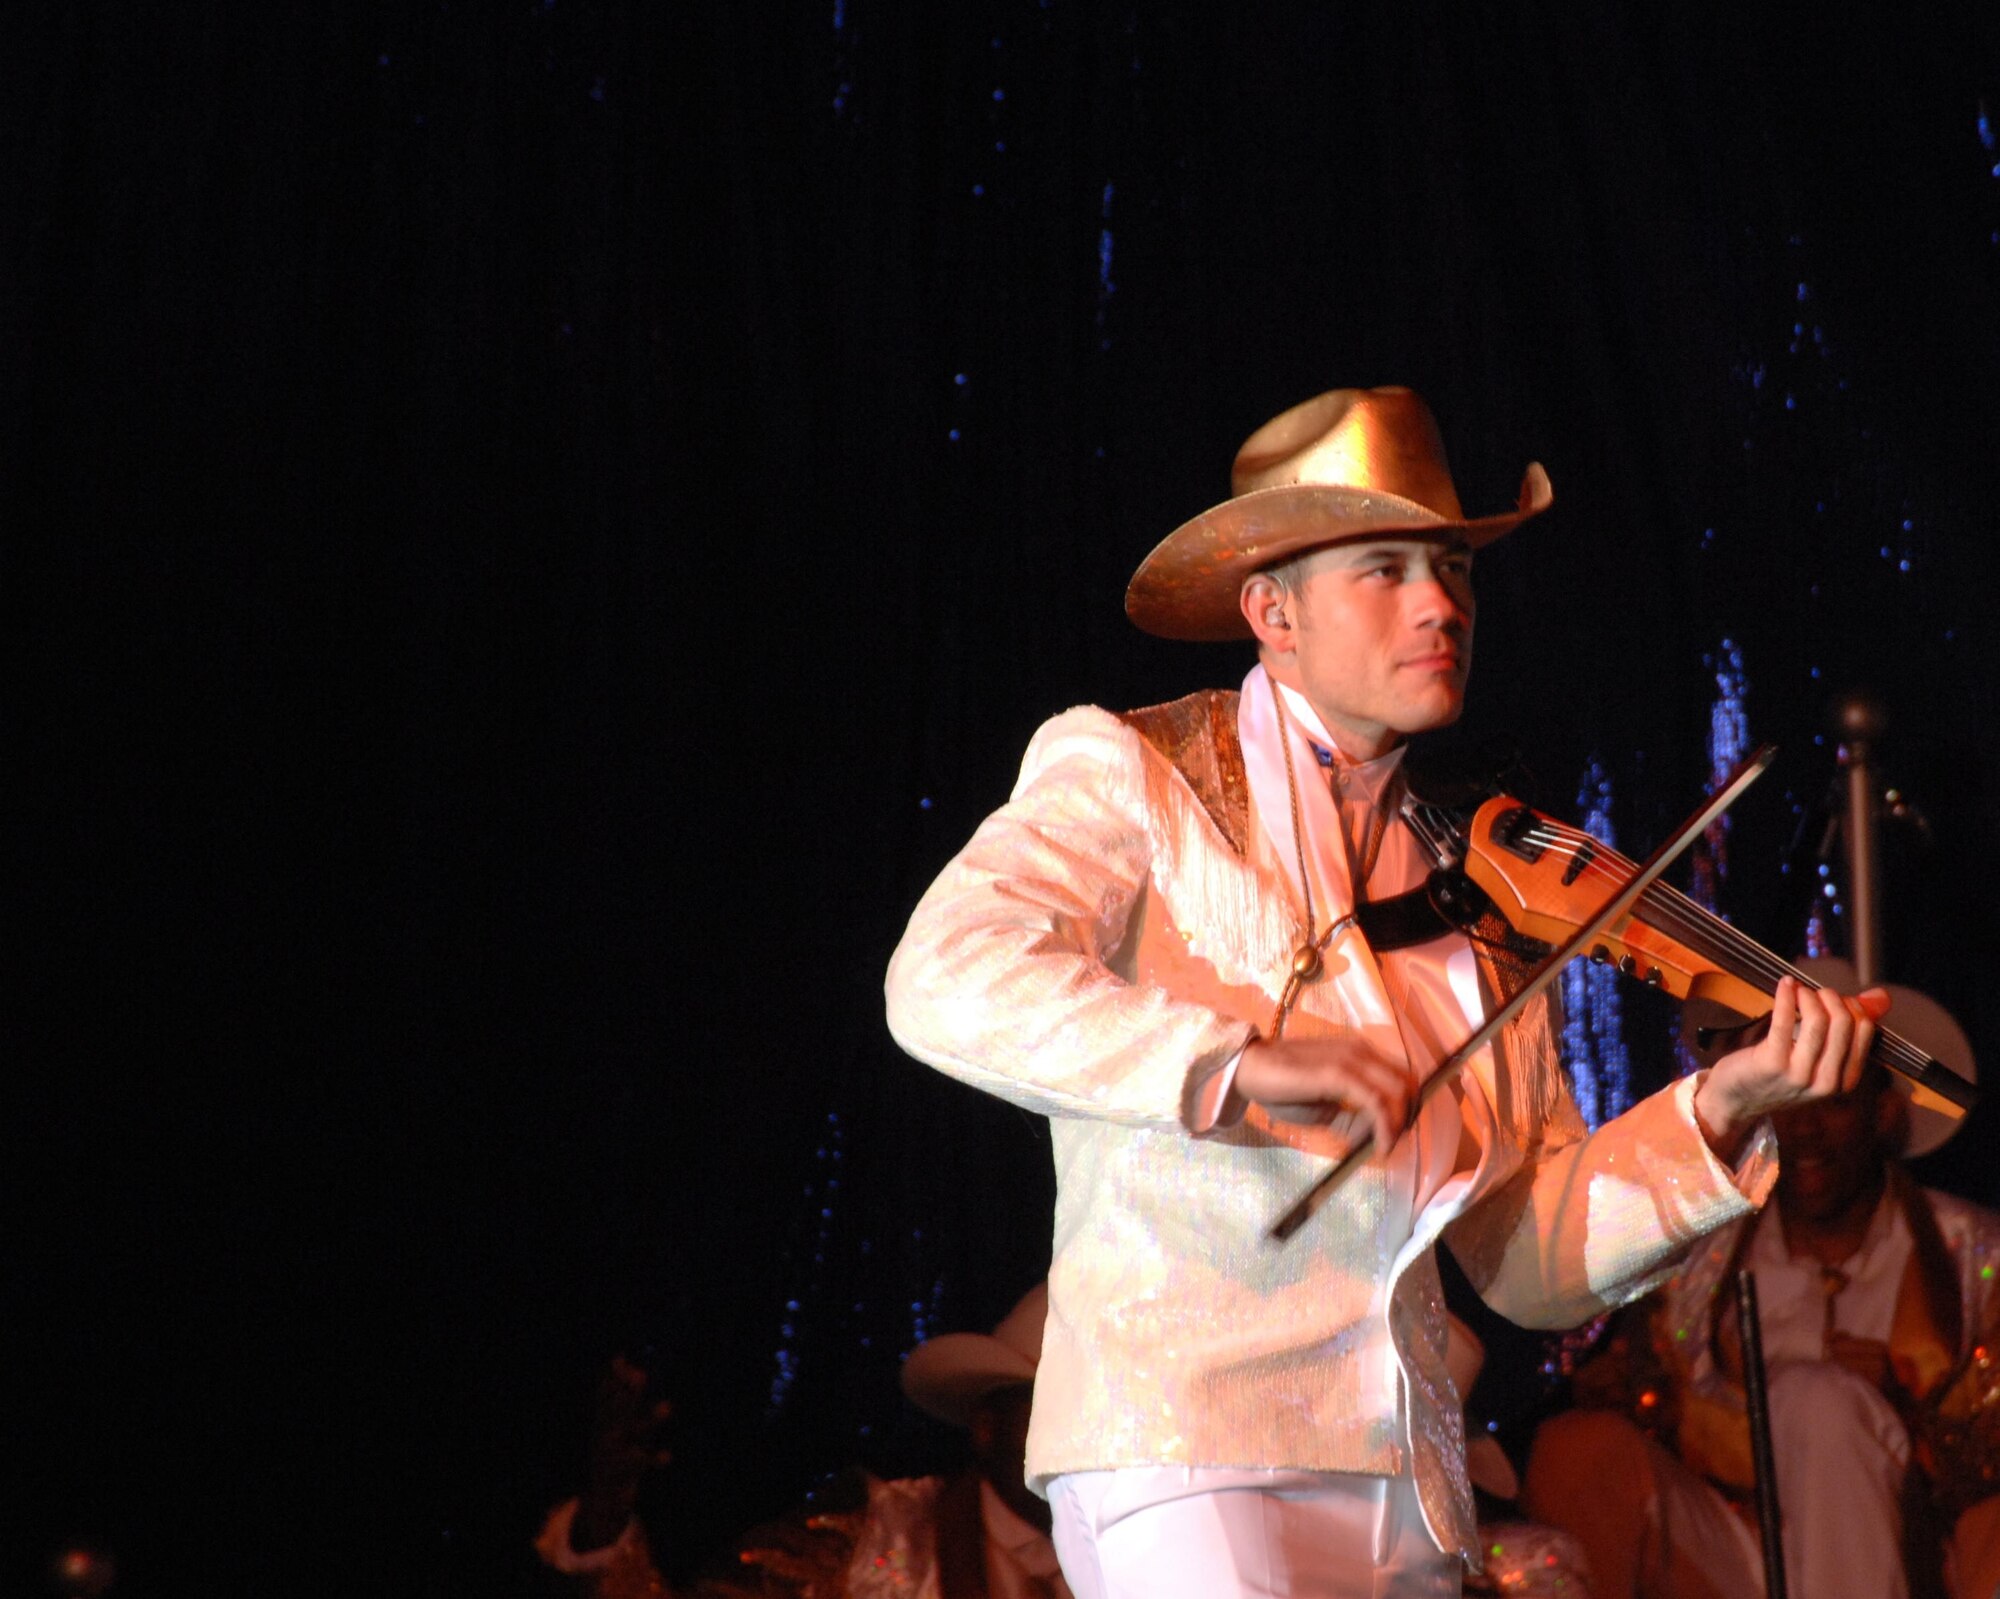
(1489, 1469)
(948, 1375)
(1922, 1021)
(1187, 587)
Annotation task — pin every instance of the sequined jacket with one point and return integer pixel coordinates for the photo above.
(1109, 939)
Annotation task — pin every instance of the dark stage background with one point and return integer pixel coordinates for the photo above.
(535, 529)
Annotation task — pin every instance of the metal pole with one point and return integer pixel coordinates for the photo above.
(1859, 722)
(1769, 1521)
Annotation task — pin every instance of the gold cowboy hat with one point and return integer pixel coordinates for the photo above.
(1351, 463)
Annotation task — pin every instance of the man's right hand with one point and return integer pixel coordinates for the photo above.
(1313, 1080)
(625, 1433)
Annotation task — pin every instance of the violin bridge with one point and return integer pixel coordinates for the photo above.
(1586, 852)
(1514, 831)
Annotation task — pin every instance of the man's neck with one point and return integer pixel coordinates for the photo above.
(1831, 1240)
(1356, 745)
(1360, 748)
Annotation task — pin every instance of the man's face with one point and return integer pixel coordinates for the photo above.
(1831, 1154)
(1380, 639)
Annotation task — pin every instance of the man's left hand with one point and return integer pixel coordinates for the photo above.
(1813, 1046)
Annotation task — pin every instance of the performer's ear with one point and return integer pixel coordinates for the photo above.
(1266, 606)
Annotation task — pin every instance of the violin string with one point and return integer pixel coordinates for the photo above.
(1677, 914)
(1670, 911)
(1707, 933)
(1674, 913)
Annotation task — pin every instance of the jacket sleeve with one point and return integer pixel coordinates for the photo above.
(1596, 1222)
(1003, 977)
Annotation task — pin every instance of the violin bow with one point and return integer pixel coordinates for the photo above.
(1619, 904)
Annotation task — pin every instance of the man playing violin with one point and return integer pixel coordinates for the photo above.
(1159, 942)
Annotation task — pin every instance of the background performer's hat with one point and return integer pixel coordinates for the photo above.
(1486, 1463)
(1352, 463)
(947, 1375)
(1922, 1021)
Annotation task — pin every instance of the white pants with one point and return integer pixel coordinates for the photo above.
(1167, 1532)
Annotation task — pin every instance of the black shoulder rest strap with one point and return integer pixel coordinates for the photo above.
(1448, 902)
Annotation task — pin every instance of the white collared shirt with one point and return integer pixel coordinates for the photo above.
(1792, 1290)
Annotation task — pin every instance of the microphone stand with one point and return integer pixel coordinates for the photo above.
(1769, 1521)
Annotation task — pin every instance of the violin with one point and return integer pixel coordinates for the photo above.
(1557, 892)
(1547, 879)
